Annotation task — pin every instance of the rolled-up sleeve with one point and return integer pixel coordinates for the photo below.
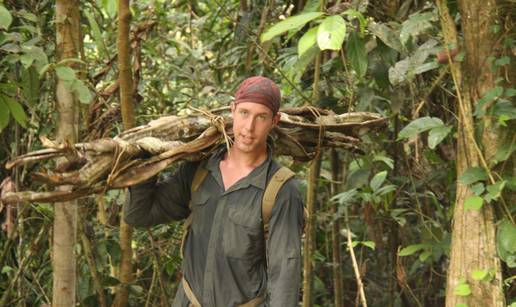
(151, 202)
(284, 247)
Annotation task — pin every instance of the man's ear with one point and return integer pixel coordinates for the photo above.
(276, 119)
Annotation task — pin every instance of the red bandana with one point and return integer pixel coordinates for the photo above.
(260, 90)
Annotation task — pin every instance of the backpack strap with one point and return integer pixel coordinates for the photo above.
(269, 196)
(199, 176)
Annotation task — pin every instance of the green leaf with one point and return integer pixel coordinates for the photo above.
(437, 134)
(4, 114)
(479, 274)
(504, 60)
(472, 175)
(6, 269)
(110, 7)
(411, 249)
(331, 33)
(388, 161)
(461, 305)
(355, 50)
(302, 63)
(16, 111)
(491, 95)
(5, 18)
(307, 41)
(420, 125)
(506, 238)
(290, 23)
(29, 16)
(462, 289)
(97, 35)
(478, 188)
(494, 190)
(424, 256)
(359, 16)
(416, 24)
(378, 180)
(30, 85)
(65, 73)
(82, 91)
(473, 203)
(345, 197)
(386, 189)
(386, 35)
(369, 244)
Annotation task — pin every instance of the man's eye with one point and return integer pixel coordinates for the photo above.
(262, 117)
(242, 112)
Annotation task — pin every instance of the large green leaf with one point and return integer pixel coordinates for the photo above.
(5, 18)
(437, 134)
(307, 41)
(30, 85)
(406, 69)
(473, 203)
(81, 91)
(495, 190)
(378, 180)
(97, 35)
(65, 73)
(416, 24)
(345, 197)
(356, 52)
(4, 114)
(291, 23)
(420, 125)
(386, 35)
(411, 249)
(331, 33)
(506, 236)
(472, 175)
(302, 63)
(16, 110)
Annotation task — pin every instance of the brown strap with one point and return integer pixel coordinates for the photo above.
(190, 295)
(269, 196)
(199, 176)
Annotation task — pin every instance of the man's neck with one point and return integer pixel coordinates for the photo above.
(245, 160)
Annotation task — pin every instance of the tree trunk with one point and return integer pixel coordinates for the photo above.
(126, 103)
(473, 232)
(313, 174)
(68, 44)
(335, 233)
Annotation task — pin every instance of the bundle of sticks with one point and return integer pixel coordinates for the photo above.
(139, 153)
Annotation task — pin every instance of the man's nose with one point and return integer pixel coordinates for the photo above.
(249, 124)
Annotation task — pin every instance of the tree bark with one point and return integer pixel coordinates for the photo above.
(68, 44)
(126, 103)
(473, 232)
(313, 174)
(335, 233)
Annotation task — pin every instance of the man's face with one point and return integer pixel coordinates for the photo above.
(252, 122)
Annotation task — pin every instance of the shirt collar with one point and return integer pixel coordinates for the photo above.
(257, 177)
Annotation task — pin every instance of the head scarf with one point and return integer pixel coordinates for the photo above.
(260, 90)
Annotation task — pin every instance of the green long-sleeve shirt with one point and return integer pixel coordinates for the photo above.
(224, 259)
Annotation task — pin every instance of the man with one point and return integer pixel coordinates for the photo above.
(227, 259)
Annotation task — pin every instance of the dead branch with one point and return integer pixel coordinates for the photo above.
(140, 153)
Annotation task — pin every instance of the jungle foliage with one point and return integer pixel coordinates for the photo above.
(395, 201)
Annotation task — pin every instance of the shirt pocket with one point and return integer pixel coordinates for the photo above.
(243, 235)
